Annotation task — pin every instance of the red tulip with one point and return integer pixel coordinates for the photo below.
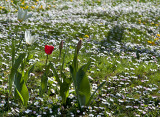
(48, 49)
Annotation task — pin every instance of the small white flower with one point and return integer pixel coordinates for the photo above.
(22, 15)
(30, 39)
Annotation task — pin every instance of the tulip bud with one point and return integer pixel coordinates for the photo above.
(79, 45)
(61, 45)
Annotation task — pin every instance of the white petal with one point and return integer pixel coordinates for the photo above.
(19, 13)
(32, 40)
(24, 15)
(27, 36)
(28, 16)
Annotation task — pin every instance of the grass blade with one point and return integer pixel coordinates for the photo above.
(100, 86)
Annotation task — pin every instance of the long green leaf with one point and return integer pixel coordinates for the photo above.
(13, 51)
(100, 86)
(63, 60)
(18, 95)
(73, 68)
(56, 75)
(81, 98)
(83, 85)
(64, 88)
(19, 60)
(22, 67)
(73, 76)
(22, 89)
(64, 91)
(44, 80)
(14, 69)
(30, 69)
(75, 62)
(25, 94)
(81, 72)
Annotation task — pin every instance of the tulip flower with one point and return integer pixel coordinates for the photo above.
(22, 15)
(49, 49)
(30, 39)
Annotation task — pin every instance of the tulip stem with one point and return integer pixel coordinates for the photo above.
(46, 61)
(60, 55)
(18, 45)
(20, 39)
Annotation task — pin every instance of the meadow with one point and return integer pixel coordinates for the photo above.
(54, 59)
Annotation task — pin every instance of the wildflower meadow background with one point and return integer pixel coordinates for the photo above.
(80, 58)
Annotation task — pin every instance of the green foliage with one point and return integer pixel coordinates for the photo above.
(81, 81)
(13, 51)
(21, 90)
(20, 79)
(64, 83)
(44, 79)
(82, 85)
(26, 75)
(14, 69)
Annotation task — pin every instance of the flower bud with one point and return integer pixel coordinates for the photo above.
(79, 45)
(61, 45)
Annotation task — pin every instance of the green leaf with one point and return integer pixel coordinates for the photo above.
(24, 92)
(21, 88)
(81, 73)
(30, 69)
(73, 75)
(30, 56)
(64, 91)
(100, 86)
(64, 88)
(83, 85)
(75, 62)
(14, 69)
(13, 51)
(82, 98)
(68, 80)
(19, 60)
(56, 75)
(73, 68)
(63, 60)
(22, 67)
(18, 95)
(44, 80)
(71, 47)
